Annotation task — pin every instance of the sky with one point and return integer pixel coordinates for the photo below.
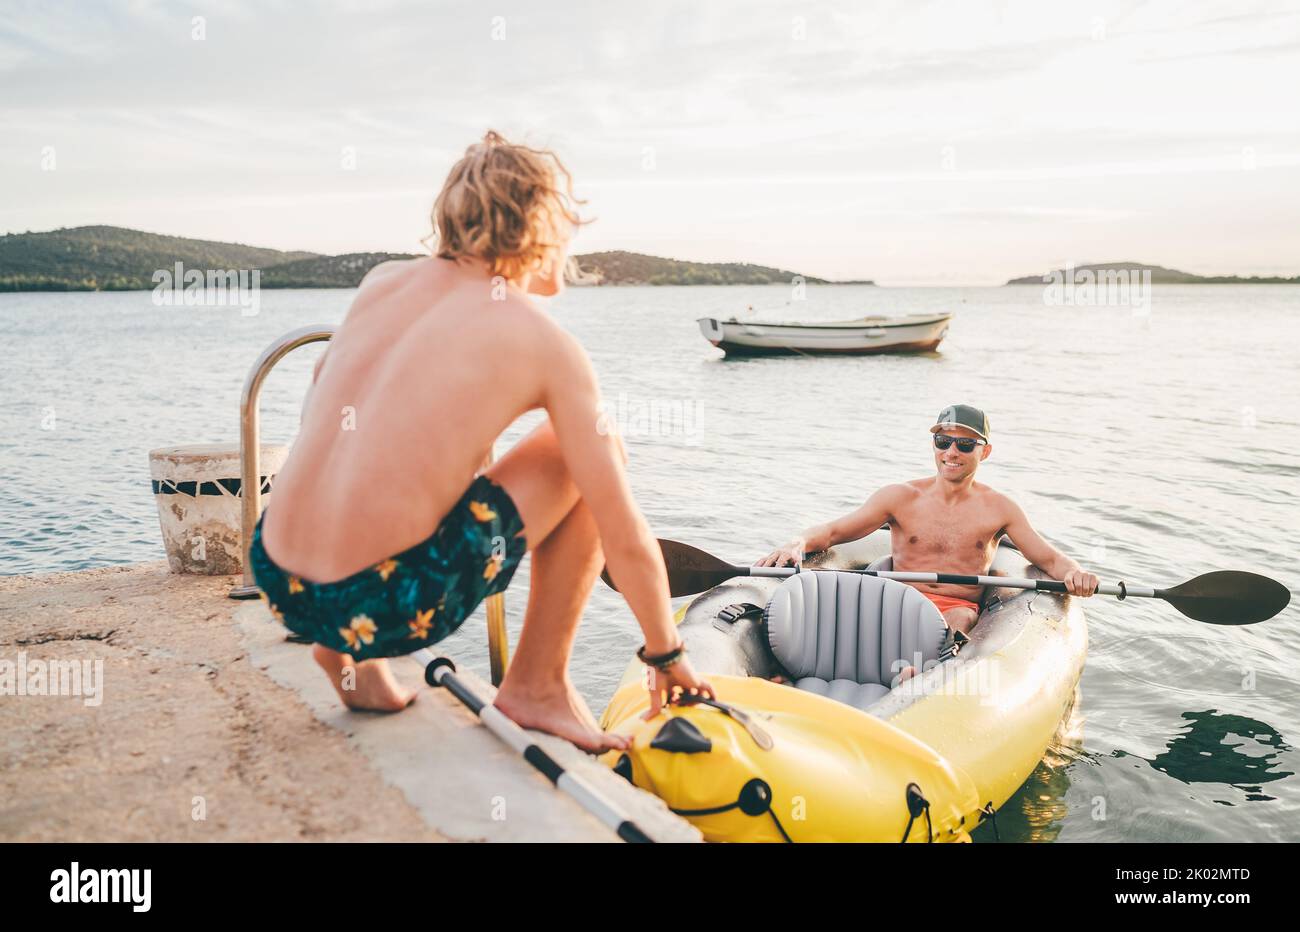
(949, 142)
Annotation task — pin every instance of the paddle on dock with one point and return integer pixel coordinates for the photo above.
(440, 671)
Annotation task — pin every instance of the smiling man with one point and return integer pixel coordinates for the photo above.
(945, 523)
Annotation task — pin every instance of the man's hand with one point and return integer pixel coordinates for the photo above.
(1043, 555)
(789, 555)
(1080, 582)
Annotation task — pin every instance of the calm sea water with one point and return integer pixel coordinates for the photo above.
(1151, 446)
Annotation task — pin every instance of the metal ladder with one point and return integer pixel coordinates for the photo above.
(250, 455)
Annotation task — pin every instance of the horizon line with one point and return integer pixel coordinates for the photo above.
(888, 283)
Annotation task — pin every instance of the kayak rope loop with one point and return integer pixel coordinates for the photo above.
(755, 799)
(1123, 591)
(916, 804)
(988, 812)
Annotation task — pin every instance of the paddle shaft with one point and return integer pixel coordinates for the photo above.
(439, 671)
(956, 579)
(1221, 597)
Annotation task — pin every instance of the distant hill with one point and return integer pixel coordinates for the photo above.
(104, 258)
(630, 268)
(1159, 275)
(344, 271)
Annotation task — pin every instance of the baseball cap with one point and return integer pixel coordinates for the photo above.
(963, 416)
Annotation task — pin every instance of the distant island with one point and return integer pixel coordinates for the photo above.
(1159, 275)
(630, 268)
(107, 258)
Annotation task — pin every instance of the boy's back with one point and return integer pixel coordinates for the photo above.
(426, 372)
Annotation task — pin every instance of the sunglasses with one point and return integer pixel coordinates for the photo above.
(964, 444)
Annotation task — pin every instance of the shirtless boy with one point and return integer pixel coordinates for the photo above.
(946, 523)
(383, 534)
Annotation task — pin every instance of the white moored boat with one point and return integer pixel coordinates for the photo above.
(915, 333)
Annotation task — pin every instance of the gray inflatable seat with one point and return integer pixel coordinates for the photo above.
(840, 634)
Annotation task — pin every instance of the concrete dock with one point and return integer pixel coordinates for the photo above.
(206, 725)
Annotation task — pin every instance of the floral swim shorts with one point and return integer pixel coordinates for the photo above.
(412, 599)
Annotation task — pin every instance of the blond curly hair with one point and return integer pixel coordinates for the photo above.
(507, 205)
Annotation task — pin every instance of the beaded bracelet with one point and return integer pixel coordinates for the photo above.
(661, 662)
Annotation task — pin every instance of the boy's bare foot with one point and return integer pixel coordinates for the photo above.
(367, 686)
(556, 711)
(907, 674)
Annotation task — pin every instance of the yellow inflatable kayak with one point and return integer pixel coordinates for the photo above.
(838, 751)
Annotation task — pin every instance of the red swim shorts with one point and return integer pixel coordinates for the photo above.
(945, 602)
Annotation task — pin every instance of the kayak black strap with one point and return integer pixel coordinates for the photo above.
(755, 798)
(712, 810)
(733, 613)
(952, 644)
(1123, 591)
(917, 804)
(991, 814)
(780, 828)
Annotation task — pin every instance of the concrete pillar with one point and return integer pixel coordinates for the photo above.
(197, 488)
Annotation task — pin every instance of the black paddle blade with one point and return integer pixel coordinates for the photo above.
(690, 570)
(1228, 597)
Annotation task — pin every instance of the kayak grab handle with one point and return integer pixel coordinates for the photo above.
(761, 737)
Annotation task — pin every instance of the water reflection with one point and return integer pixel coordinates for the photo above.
(1037, 811)
(1219, 747)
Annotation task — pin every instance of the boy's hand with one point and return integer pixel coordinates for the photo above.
(665, 686)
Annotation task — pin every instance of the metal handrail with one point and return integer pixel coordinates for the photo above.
(250, 443)
(250, 459)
